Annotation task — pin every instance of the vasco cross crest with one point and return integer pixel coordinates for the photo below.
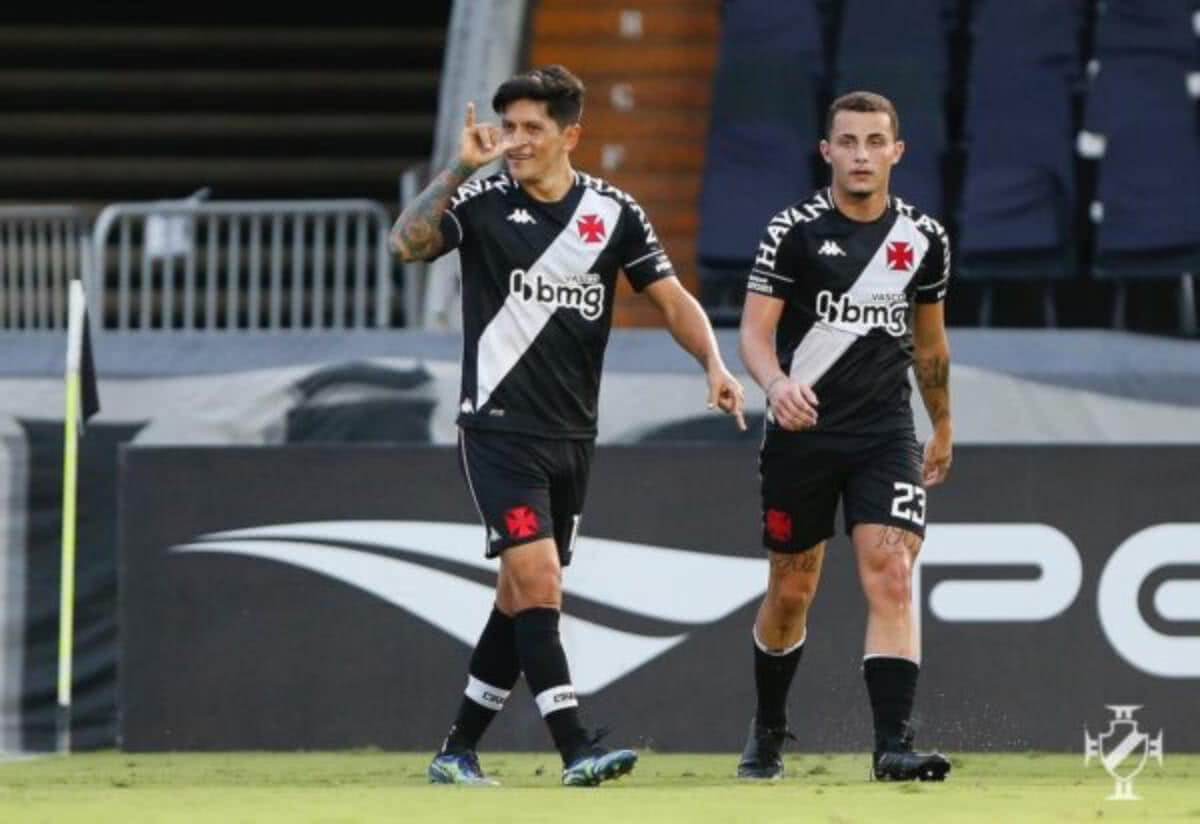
(1122, 750)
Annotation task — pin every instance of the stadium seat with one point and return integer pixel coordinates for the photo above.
(1019, 188)
(900, 50)
(1148, 192)
(762, 136)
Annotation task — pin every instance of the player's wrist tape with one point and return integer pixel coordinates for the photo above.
(771, 383)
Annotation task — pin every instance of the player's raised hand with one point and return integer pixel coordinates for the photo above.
(794, 405)
(939, 452)
(480, 143)
(726, 394)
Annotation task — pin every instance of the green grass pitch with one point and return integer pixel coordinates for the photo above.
(343, 788)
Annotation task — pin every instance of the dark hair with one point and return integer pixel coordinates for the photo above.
(863, 102)
(561, 91)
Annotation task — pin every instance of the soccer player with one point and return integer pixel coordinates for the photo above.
(845, 294)
(541, 244)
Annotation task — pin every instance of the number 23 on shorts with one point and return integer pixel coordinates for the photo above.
(909, 502)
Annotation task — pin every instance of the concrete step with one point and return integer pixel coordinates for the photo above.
(348, 13)
(155, 135)
(192, 47)
(168, 90)
(109, 179)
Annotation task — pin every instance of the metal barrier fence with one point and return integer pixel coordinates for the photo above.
(416, 273)
(41, 249)
(189, 265)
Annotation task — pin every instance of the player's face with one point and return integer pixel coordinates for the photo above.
(861, 149)
(539, 146)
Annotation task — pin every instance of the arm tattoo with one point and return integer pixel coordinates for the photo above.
(415, 235)
(933, 373)
(933, 379)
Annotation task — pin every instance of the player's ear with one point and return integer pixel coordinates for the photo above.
(824, 147)
(571, 136)
(898, 153)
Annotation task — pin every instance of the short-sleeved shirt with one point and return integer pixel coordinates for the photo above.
(849, 290)
(538, 283)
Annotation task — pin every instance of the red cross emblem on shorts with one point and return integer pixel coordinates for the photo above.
(521, 522)
(899, 256)
(779, 525)
(591, 228)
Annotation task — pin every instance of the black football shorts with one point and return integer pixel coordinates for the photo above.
(877, 478)
(526, 488)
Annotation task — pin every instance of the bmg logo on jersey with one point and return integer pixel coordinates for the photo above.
(886, 312)
(584, 293)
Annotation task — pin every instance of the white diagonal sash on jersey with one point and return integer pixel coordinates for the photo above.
(818, 350)
(512, 331)
(825, 342)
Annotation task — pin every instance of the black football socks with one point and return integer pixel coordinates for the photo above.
(773, 674)
(545, 666)
(493, 672)
(891, 686)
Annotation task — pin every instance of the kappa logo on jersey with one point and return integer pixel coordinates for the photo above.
(584, 293)
(520, 216)
(900, 256)
(591, 228)
(890, 315)
(521, 522)
(830, 247)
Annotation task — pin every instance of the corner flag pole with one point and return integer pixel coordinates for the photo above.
(66, 610)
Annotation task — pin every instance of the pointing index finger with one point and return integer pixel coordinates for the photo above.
(470, 114)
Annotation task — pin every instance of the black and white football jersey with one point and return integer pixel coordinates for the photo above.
(849, 290)
(538, 283)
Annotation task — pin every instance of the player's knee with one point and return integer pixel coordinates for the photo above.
(792, 602)
(891, 585)
(792, 595)
(506, 596)
(899, 588)
(538, 584)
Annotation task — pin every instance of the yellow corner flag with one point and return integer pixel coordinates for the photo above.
(83, 401)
